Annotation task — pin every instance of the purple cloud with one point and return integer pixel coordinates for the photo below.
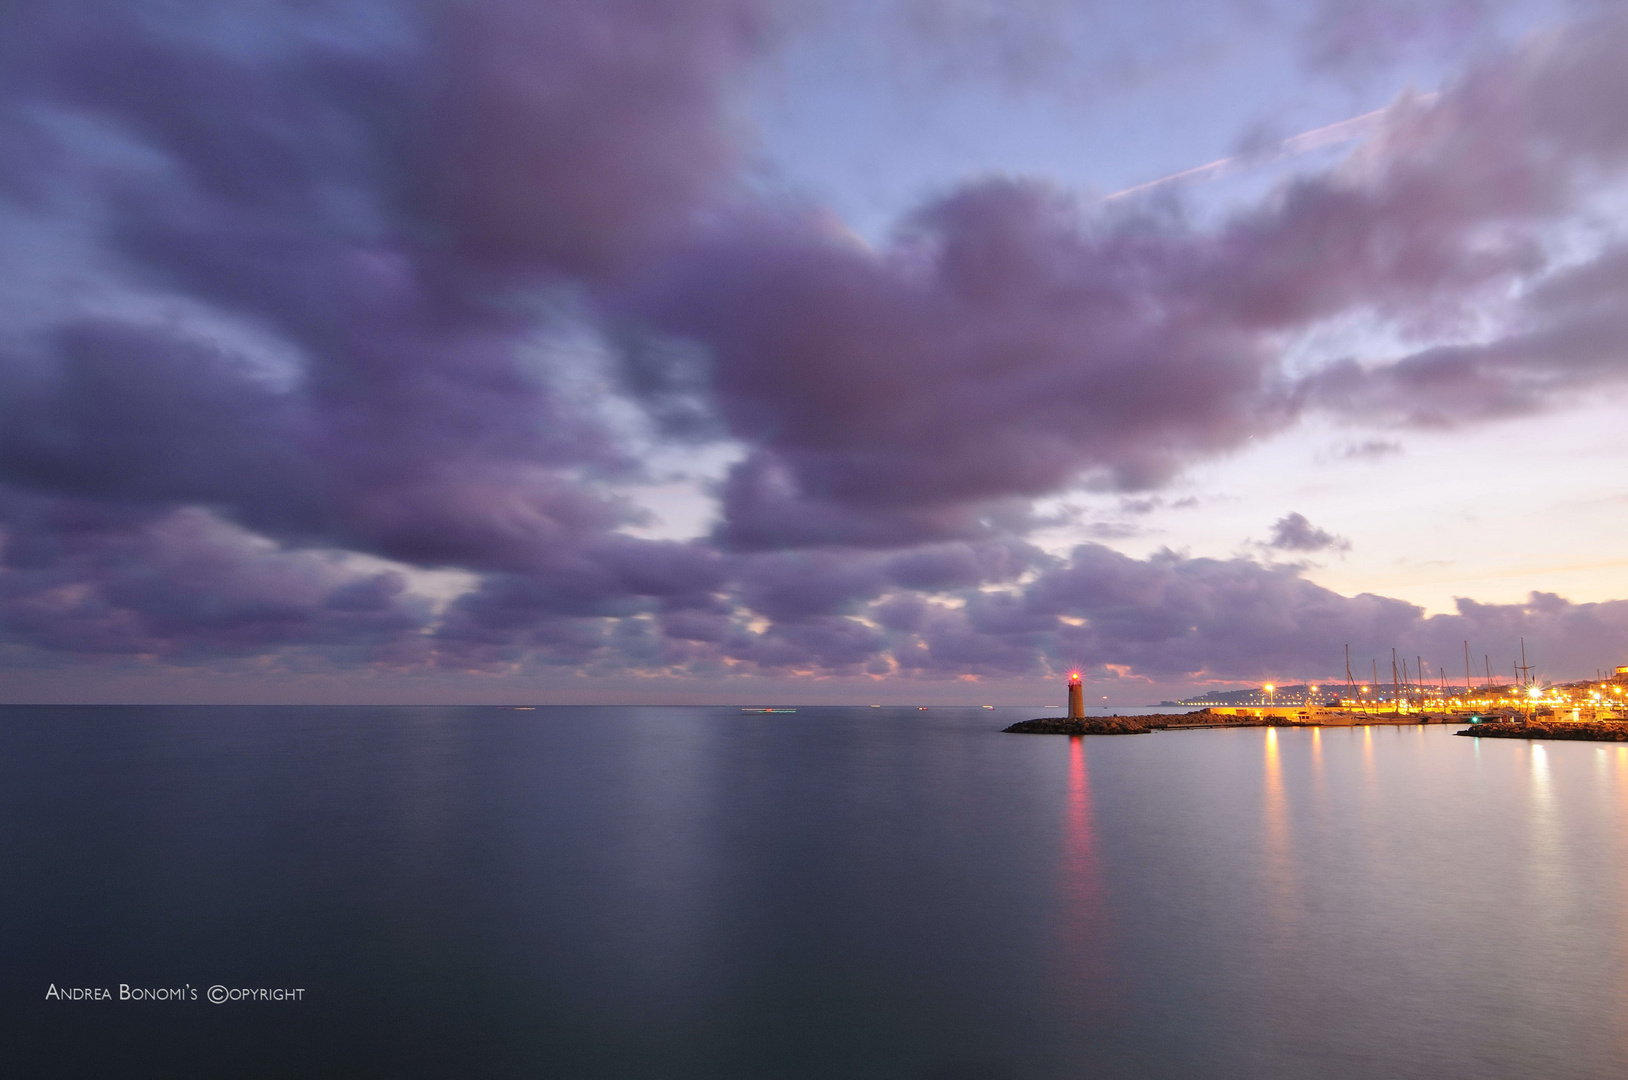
(185, 587)
(1293, 532)
(1001, 349)
(580, 136)
(1355, 36)
(329, 268)
(369, 196)
(1010, 342)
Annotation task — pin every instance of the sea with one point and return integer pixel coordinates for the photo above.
(843, 893)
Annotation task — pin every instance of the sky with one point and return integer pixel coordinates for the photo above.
(913, 351)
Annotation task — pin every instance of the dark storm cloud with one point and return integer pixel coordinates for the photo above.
(325, 262)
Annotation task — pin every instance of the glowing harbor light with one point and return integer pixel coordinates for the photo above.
(1076, 697)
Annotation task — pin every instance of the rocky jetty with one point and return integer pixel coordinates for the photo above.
(1581, 730)
(1091, 725)
(1130, 725)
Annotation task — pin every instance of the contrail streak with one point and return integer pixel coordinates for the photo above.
(1329, 135)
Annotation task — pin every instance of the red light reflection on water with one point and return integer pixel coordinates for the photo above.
(1083, 884)
(1085, 931)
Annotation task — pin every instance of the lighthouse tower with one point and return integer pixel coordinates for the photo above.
(1076, 697)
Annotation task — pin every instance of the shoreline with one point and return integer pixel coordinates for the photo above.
(1565, 730)
(1204, 719)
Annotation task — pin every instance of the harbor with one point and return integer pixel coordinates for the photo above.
(1585, 710)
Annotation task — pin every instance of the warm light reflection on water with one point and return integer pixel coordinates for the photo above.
(1621, 786)
(1319, 778)
(1279, 856)
(1274, 784)
(1548, 871)
(1541, 796)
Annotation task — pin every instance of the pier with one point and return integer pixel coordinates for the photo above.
(1591, 710)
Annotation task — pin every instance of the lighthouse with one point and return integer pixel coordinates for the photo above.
(1076, 697)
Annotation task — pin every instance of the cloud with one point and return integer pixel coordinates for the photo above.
(1177, 618)
(1353, 37)
(1113, 530)
(578, 135)
(310, 286)
(999, 350)
(1010, 342)
(322, 232)
(185, 587)
(1293, 532)
(368, 185)
(1369, 450)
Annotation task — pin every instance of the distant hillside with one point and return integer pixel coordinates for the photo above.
(1294, 694)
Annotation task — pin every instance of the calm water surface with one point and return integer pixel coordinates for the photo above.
(844, 893)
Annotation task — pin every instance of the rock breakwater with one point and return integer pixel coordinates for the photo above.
(1095, 725)
(1580, 730)
(1100, 725)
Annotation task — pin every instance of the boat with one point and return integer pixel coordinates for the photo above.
(768, 710)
